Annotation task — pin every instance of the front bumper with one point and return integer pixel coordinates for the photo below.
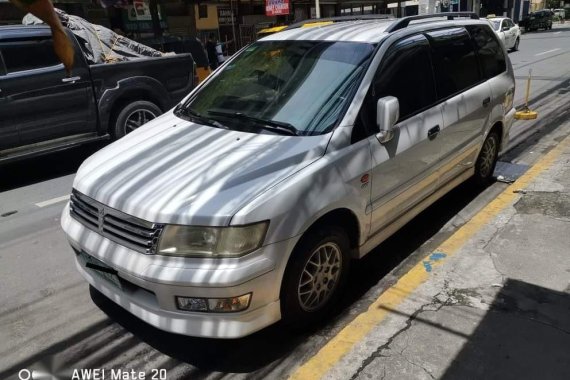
(150, 284)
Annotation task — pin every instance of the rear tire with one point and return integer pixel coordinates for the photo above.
(315, 276)
(132, 116)
(487, 160)
(516, 46)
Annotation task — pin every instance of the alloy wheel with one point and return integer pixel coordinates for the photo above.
(488, 154)
(137, 118)
(320, 277)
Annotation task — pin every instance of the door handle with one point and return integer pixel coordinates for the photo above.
(433, 132)
(486, 101)
(70, 80)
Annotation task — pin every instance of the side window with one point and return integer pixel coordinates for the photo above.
(489, 51)
(28, 55)
(454, 60)
(405, 73)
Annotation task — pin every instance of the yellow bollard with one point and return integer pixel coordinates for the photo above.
(526, 113)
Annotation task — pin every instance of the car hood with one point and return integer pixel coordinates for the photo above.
(175, 171)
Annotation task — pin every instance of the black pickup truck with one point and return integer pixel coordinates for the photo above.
(43, 110)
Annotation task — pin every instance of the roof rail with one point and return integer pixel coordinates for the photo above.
(405, 21)
(339, 19)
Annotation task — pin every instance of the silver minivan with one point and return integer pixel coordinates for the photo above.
(245, 204)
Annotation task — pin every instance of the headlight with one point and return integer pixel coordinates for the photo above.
(195, 241)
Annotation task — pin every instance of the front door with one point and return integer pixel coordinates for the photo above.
(36, 96)
(404, 168)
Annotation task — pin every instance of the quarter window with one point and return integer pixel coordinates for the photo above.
(489, 50)
(454, 60)
(28, 55)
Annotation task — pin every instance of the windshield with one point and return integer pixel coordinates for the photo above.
(496, 24)
(299, 85)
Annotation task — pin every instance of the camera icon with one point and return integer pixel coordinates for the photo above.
(25, 374)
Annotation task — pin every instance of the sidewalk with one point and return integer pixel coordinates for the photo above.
(491, 302)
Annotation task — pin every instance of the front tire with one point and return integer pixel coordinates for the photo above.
(487, 159)
(315, 276)
(132, 116)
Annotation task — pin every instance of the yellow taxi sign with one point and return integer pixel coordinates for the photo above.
(273, 29)
(316, 23)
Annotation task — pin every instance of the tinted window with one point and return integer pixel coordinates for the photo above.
(406, 73)
(489, 51)
(454, 60)
(28, 55)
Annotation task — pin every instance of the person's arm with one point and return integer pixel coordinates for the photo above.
(43, 9)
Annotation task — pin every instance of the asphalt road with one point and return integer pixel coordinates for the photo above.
(50, 319)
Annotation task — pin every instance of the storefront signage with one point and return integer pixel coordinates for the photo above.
(276, 7)
(225, 16)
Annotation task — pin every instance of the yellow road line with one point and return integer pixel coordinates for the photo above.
(318, 365)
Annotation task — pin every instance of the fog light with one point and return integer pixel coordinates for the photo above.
(192, 304)
(214, 305)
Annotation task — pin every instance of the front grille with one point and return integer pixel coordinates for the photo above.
(129, 231)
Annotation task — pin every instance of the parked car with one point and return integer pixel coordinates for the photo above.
(246, 203)
(42, 110)
(560, 13)
(509, 32)
(541, 19)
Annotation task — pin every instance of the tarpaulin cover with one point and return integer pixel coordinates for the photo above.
(100, 44)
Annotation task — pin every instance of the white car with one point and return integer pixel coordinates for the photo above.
(245, 204)
(507, 31)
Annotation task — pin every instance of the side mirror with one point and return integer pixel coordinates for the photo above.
(387, 114)
(505, 28)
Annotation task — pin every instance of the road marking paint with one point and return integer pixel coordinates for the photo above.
(556, 32)
(52, 201)
(548, 51)
(336, 348)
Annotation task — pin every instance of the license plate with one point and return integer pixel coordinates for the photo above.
(99, 268)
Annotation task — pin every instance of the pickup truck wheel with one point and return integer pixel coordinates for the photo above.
(315, 276)
(133, 115)
(487, 160)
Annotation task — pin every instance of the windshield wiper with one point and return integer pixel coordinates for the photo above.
(188, 112)
(272, 125)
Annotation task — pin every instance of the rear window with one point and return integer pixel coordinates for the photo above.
(28, 54)
(489, 51)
